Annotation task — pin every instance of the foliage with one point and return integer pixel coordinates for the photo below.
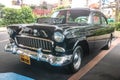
(117, 26)
(1, 23)
(112, 24)
(58, 8)
(17, 16)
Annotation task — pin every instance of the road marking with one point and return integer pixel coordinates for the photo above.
(13, 76)
(4, 40)
(93, 62)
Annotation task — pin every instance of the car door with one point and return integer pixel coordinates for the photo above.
(101, 30)
(89, 31)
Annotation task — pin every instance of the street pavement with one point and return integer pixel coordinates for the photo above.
(106, 69)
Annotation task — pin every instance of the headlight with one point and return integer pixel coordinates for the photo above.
(58, 37)
(10, 31)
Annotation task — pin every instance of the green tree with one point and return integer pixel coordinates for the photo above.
(26, 15)
(58, 8)
(17, 16)
(1, 14)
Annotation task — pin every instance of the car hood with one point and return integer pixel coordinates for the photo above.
(37, 30)
(41, 30)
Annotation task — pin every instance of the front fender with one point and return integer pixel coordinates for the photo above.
(72, 43)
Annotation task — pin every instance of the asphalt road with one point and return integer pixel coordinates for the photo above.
(37, 70)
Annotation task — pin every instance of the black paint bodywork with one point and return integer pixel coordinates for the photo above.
(88, 35)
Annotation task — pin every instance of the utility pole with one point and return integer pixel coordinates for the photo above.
(87, 3)
(21, 3)
(117, 10)
(100, 4)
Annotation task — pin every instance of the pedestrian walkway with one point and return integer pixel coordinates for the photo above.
(2, 29)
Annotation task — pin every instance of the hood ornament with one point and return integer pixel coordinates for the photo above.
(43, 33)
(25, 30)
(35, 32)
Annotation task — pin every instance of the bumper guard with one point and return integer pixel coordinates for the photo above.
(39, 55)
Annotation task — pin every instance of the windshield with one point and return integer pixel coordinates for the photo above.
(72, 16)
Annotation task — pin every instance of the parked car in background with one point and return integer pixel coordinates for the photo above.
(111, 20)
(62, 39)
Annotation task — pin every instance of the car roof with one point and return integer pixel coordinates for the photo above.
(86, 9)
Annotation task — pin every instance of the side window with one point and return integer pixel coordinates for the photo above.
(103, 20)
(96, 18)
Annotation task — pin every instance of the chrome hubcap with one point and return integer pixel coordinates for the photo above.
(109, 44)
(77, 59)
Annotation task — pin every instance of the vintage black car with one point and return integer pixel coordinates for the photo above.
(62, 39)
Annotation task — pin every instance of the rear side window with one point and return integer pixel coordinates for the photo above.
(96, 18)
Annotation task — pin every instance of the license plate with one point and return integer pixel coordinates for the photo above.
(25, 59)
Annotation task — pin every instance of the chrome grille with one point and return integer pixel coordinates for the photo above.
(34, 43)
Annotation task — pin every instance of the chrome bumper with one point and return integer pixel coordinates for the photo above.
(39, 55)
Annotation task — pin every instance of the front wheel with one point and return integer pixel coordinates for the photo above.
(76, 60)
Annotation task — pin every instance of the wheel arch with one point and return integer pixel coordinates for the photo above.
(84, 45)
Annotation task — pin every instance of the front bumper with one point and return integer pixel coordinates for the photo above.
(39, 55)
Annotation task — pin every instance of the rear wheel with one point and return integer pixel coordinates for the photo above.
(76, 60)
(108, 45)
